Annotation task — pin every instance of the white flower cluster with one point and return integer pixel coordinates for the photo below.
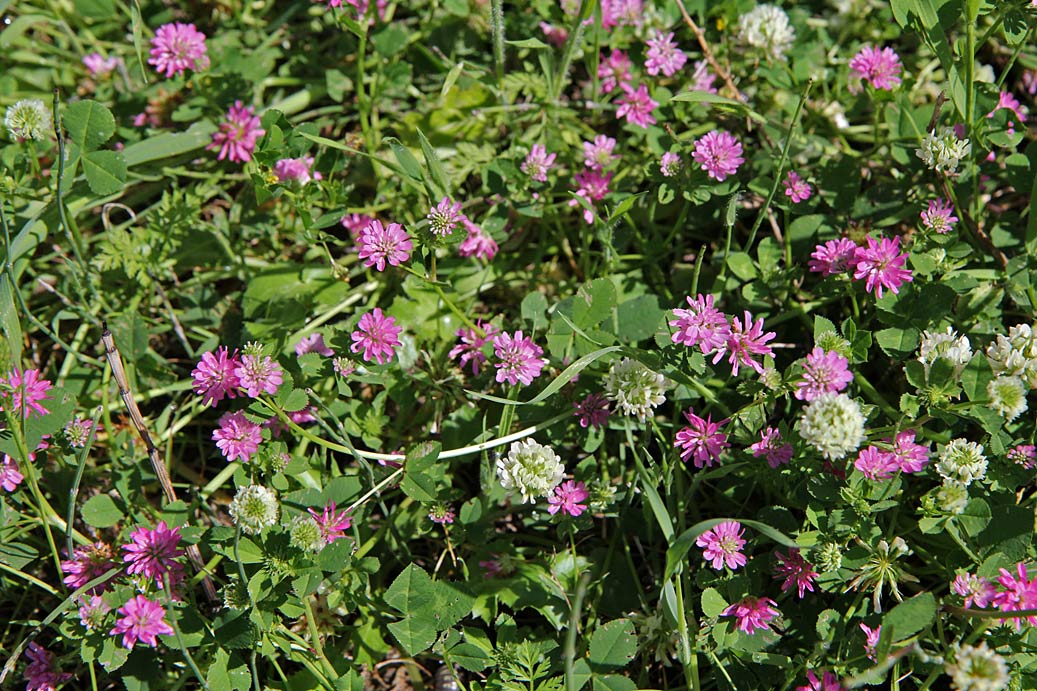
(635, 388)
(962, 462)
(947, 345)
(767, 29)
(832, 424)
(28, 119)
(531, 468)
(1016, 354)
(942, 152)
(1014, 360)
(254, 508)
(977, 668)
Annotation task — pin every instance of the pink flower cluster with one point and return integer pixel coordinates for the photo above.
(142, 620)
(153, 552)
(444, 217)
(752, 613)
(22, 390)
(379, 245)
(40, 673)
(297, 170)
(1013, 592)
(225, 375)
(722, 545)
(592, 411)
(824, 372)
(664, 55)
(701, 441)
(178, 47)
(880, 264)
(797, 572)
(469, 350)
(568, 497)
(772, 448)
(939, 216)
(719, 153)
(519, 359)
(905, 456)
(880, 68)
(537, 163)
(377, 336)
(237, 135)
(333, 524)
(714, 333)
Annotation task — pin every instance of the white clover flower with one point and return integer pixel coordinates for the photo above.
(766, 28)
(531, 468)
(952, 499)
(635, 388)
(962, 462)
(1016, 354)
(254, 508)
(1007, 396)
(832, 424)
(943, 152)
(977, 668)
(947, 345)
(305, 534)
(28, 119)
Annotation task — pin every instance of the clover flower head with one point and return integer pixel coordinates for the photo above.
(976, 590)
(379, 245)
(772, 448)
(153, 552)
(722, 545)
(237, 437)
(962, 462)
(702, 325)
(824, 372)
(537, 163)
(796, 188)
(444, 217)
(22, 390)
(939, 216)
(664, 55)
(797, 572)
(592, 411)
(634, 388)
(1024, 455)
(977, 668)
(766, 28)
(87, 563)
(636, 106)
(255, 508)
(701, 440)
(752, 613)
(597, 154)
(238, 134)
(568, 497)
(29, 118)
(258, 374)
(177, 47)
(306, 535)
(297, 170)
(333, 524)
(669, 164)
(910, 456)
(40, 672)
(719, 153)
(834, 257)
(1007, 396)
(942, 151)
(832, 424)
(945, 344)
(614, 71)
(532, 469)
(469, 350)
(876, 464)
(377, 337)
(520, 360)
(880, 68)
(881, 264)
(477, 243)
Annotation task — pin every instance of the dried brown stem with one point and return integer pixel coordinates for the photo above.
(708, 52)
